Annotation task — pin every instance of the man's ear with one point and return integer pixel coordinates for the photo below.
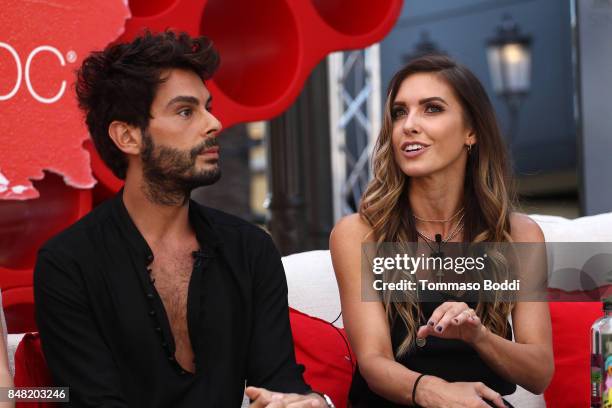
(126, 137)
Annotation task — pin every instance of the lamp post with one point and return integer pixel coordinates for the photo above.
(509, 59)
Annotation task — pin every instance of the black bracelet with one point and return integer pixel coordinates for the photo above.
(414, 389)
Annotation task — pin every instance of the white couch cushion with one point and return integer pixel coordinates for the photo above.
(312, 285)
(594, 228)
(593, 235)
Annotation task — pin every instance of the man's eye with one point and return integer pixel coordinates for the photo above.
(433, 108)
(185, 113)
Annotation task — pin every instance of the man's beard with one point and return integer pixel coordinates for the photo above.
(170, 174)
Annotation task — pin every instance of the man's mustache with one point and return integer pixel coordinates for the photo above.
(206, 144)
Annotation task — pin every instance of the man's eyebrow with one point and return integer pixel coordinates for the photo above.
(183, 99)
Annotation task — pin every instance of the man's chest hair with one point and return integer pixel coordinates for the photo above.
(172, 273)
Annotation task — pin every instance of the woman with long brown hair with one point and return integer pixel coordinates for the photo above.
(440, 169)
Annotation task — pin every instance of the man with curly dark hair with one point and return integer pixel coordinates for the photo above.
(152, 300)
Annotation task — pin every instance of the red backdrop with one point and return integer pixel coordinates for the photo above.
(267, 47)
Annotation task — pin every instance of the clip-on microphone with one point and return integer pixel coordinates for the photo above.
(439, 242)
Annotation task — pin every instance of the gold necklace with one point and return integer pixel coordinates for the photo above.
(450, 236)
(446, 220)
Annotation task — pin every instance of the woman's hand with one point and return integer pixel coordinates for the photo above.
(434, 392)
(454, 320)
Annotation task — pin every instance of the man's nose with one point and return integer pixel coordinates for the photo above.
(213, 126)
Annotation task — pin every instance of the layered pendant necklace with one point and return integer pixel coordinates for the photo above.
(438, 240)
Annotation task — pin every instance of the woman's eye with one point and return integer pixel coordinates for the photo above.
(398, 112)
(433, 109)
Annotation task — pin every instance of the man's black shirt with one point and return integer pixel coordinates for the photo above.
(104, 329)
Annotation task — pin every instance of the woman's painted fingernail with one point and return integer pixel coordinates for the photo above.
(431, 323)
(439, 329)
(456, 320)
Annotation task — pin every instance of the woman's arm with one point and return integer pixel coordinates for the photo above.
(369, 334)
(529, 360)
(365, 322)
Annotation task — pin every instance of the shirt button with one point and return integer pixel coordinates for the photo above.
(183, 372)
(150, 295)
(170, 358)
(152, 313)
(158, 329)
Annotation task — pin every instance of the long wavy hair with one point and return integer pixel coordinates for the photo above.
(488, 198)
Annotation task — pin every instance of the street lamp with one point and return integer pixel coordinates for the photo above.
(509, 59)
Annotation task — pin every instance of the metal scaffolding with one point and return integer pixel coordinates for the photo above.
(355, 120)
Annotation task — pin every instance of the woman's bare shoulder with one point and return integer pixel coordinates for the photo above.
(525, 229)
(351, 227)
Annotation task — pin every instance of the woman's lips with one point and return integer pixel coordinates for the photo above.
(415, 153)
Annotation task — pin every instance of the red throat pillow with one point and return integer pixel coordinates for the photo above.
(31, 368)
(571, 328)
(326, 355)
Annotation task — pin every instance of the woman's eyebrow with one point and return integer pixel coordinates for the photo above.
(431, 99)
(422, 101)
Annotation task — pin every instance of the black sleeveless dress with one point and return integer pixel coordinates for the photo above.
(451, 360)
